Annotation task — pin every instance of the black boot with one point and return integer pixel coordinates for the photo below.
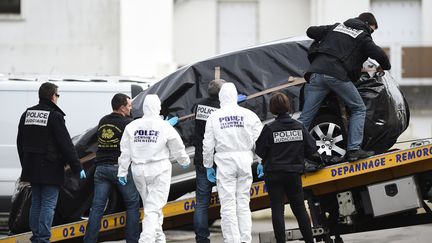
(354, 155)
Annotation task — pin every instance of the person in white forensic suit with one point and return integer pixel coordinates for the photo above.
(148, 143)
(229, 141)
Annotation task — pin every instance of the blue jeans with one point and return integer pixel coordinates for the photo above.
(203, 194)
(44, 200)
(105, 176)
(315, 92)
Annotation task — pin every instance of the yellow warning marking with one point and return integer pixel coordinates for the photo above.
(258, 189)
(118, 220)
(376, 163)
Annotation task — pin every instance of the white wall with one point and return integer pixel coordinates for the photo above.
(146, 37)
(420, 127)
(332, 11)
(399, 22)
(61, 37)
(237, 25)
(149, 38)
(427, 22)
(196, 25)
(194, 30)
(281, 18)
(196, 22)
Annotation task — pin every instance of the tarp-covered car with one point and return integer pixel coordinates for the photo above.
(252, 70)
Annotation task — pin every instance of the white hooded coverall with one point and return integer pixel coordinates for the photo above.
(148, 143)
(229, 140)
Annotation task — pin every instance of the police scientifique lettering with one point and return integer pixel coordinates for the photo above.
(146, 136)
(231, 121)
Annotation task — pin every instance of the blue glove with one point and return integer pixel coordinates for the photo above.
(173, 120)
(122, 180)
(82, 174)
(260, 170)
(211, 175)
(241, 97)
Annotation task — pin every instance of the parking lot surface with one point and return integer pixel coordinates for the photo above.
(417, 234)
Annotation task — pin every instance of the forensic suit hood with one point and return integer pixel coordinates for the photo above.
(228, 94)
(152, 105)
(151, 141)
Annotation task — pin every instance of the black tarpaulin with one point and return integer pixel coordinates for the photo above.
(251, 70)
(265, 66)
(387, 113)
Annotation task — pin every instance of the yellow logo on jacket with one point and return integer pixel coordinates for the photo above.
(107, 133)
(108, 136)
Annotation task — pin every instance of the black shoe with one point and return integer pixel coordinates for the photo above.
(354, 155)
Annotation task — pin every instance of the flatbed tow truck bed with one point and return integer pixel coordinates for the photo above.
(322, 189)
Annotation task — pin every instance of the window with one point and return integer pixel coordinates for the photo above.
(398, 20)
(416, 62)
(237, 25)
(10, 6)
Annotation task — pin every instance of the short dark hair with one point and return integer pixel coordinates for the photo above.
(118, 100)
(279, 104)
(47, 90)
(214, 87)
(368, 18)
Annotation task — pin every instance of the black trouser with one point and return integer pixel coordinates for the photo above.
(278, 185)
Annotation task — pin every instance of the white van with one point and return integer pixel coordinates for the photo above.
(84, 100)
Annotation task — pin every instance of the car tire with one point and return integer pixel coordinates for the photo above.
(114, 204)
(330, 135)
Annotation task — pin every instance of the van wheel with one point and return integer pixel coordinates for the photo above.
(330, 135)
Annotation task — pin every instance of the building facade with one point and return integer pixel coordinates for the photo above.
(153, 37)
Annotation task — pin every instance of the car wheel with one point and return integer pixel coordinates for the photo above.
(112, 205)
(330, 135)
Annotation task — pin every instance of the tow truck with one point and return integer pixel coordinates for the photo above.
(381, 192)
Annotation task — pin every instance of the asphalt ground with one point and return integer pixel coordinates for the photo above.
(412, 234)
(262, 223)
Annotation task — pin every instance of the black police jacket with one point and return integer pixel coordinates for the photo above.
(202, 110)
(351, 43)
(110, 131)
(283, 144)
(44, 145)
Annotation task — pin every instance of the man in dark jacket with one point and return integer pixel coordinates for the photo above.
(44, 148)
(336, 57)
(110, 131)
(202, 110)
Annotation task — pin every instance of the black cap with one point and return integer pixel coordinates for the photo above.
(368, 18)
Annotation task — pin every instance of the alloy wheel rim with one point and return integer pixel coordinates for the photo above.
(329, 139)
